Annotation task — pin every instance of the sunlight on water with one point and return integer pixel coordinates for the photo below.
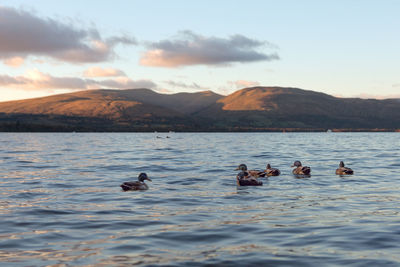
(60, 200)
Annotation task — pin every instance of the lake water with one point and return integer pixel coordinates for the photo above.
(61, 204)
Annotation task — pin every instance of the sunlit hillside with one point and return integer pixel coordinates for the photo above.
(256, 108)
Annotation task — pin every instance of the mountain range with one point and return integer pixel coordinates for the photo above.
(249, 109)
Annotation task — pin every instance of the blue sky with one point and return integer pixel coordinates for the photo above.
(344, 48)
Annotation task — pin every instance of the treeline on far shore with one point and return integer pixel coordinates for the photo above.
(41, 123)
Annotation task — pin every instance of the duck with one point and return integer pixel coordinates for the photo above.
(342, 170)
(300, 170)
(137, 185)
(272, 171)
(245, 178)
(253, 173)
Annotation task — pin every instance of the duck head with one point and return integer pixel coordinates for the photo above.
(341, 164)
(297, 163)
(241, 167)
(143, 176)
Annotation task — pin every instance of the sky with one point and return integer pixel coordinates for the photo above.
(345, 48)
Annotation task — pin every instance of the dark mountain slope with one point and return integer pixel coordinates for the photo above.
(292, 107)
(257, 108)
(109, 104)
(183, 102)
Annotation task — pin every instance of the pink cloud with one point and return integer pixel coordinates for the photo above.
(374, 96)
(103, 72)
(14, 61)
(193, 85)
(163, 90)
(243, 84)
(36, 80)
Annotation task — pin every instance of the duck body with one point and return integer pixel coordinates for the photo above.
(303, 170)
(136, 185)
(342, 170)
(256, 173)
(245, 178)
(300, 170)
(269, 171)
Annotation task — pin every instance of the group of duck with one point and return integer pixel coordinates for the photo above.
(245, 177)
(250, 177)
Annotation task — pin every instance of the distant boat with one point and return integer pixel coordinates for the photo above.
(329, 131)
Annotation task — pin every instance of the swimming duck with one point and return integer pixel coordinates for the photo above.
(272, 171)
(244, 177)
(253, 173)
(300, 170)
(137, 185)
(342, 170)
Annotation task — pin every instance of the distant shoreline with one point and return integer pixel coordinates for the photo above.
(241, 130)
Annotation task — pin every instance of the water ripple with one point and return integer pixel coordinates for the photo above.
(61, 204)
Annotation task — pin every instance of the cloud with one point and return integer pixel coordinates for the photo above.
(36, 80)
(373, 96)
(185, 86)
(103, 72)
(243, 84)
(14, 61)
(126, 40)
(126, 83)
(23, 34)
(163, 90)
(189, 48)
(232, 86)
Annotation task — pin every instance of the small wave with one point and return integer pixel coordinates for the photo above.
(24, 161)
(62, 185)
(127, 248)
(180, 239)
(21, 151)
(45, 166)
(45, 212)
(28, 195)
(119, 152)
(213, 171)
(122, 167)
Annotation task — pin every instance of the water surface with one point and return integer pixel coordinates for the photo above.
(60, 200)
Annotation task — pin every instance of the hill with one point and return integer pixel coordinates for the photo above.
(249, 109)
(277, 107)
(113, 104)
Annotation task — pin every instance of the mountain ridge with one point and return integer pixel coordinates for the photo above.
(252, 109)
